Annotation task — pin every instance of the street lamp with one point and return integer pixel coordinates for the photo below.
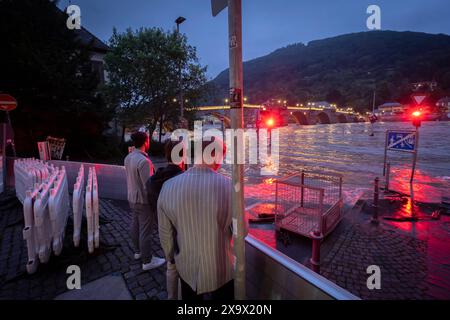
(179, 21)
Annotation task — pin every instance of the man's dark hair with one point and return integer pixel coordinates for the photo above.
(168, 150)
(139, 138)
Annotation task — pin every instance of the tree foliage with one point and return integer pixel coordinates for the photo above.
(144, 76)
(49, 72)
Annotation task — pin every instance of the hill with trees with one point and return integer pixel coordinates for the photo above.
(345, 69)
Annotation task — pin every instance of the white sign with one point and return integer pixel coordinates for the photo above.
(402, 141)
(419, 99)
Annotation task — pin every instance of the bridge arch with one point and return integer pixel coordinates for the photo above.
(341, 118)
(300, 118)
(323, 118)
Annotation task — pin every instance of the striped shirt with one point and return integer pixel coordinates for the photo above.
(139, 169)
(194, 213)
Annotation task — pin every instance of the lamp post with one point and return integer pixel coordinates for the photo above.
(179, 21)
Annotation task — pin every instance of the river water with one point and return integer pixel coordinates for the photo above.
(347, 149)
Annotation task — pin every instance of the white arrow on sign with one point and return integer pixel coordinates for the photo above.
(394, 143)
(419, 99)
(217, 6)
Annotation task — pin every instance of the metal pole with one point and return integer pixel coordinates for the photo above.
(415, 156)
(385, 153)
(180, 84)
(13, 146)
(236, 113)
(388, 176)
(374, 100)
(375, 201)
(316, 237)
(302, 189)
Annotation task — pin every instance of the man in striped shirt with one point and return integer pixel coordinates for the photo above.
(194, 213)
(139, 168)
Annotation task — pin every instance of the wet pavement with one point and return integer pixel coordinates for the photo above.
(414, 257)
(113, 258)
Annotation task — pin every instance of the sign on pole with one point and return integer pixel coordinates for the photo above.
(217, 6)
(7, 102)
(405, 141)
(401, 140)
(419, 98)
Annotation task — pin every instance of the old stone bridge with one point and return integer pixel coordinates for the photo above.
(299, 115)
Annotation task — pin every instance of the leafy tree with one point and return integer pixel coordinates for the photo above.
(144, 72)
(49, 72)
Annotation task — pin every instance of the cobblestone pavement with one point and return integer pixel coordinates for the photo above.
(414, 258)
(115, 255)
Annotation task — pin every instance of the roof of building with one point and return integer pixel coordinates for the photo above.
(444, 100)
(390, 105)
(87, 39)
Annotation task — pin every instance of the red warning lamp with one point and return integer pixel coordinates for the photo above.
(270, 122)
(417, 118)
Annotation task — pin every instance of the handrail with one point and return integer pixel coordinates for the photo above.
(316, 280)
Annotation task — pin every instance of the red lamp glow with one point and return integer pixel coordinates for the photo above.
(270, 122)
(417, 118)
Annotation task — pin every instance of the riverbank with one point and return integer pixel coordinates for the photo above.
(413, 256)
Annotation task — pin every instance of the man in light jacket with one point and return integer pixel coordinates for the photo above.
(138, 169)
(194, 218)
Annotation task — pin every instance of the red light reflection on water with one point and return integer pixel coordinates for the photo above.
(424, 191)
(263, 191)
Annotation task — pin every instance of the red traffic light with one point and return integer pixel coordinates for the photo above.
(417, 114)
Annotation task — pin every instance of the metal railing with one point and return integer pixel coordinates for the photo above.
(308, 202)
(271, 275)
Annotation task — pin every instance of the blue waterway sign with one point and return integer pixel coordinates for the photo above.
(401, 141)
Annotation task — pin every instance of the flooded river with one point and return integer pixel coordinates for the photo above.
(348, 149)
